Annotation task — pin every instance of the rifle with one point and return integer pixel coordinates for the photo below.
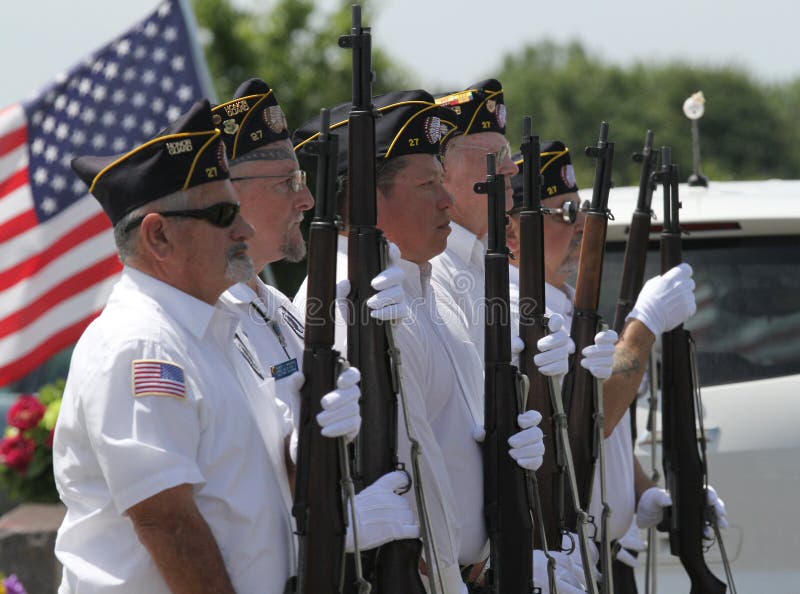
(508, 518)
(635, 258)
(318, 509)
(393, 567)
(582, 393)
(685, 468)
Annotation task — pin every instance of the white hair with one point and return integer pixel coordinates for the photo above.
(126, 238)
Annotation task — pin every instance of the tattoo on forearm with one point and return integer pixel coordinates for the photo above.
(626, 363)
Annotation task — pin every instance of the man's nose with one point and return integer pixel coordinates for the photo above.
(241, 229)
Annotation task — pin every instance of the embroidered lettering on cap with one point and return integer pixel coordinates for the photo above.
(180, 146)
(233, 108)
(455, 99)
(433, 129)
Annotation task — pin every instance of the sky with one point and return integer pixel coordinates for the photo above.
(449, 43)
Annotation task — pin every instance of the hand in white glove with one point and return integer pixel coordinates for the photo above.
(571, 540)
(598, 358)
(554, 349)
(566, 581)
(381, 514)
(650, 510)
(713, 500)
(630, 542)
(389, 303)
(527, 446)
(341, 414)
(666, 301)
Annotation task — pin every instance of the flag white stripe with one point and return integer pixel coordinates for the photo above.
(15, 203)
(61, 316)
(13, 161)
(64, 267)
(39, 238)
(12, 119)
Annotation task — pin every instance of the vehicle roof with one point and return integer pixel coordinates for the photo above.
(764, 207)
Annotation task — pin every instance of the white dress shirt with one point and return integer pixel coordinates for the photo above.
(459, 273)
(223, 435)
(442, 379)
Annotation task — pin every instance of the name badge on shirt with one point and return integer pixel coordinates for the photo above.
(282, 370)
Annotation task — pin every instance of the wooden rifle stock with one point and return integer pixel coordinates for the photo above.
(685, 470)
(533, 327)
(635, 259)
(393, 567)
(579, 384)
(318, 507)
(508, 519)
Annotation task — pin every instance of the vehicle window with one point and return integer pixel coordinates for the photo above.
(748, 296)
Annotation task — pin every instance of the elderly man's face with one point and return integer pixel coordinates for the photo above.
(414, 211)
(210, 258)
(562, 241)
(465, 164)
(273, 198)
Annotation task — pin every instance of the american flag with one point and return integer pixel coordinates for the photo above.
(57, 256)
(158, 378)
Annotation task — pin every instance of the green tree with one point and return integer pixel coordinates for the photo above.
(294, 47)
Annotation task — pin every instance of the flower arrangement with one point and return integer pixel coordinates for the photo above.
(26, 450)
(11, 585)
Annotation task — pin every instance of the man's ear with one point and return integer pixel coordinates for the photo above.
(156, 239)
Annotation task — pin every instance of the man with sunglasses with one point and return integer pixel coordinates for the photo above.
(272, 189)
(670, 294)
(168, 451)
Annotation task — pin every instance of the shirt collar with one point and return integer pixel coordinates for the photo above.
(557, 300)
(188, 311)
(464, 243)
(417, 277)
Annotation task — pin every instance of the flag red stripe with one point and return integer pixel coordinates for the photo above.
(18, 224)
(14, 181)
(13, 140)
(31, 360)
(64, 290)
(88, 229)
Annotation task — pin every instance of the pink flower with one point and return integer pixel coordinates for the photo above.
(26, 412)
(17, 452)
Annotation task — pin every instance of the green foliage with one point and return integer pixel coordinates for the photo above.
(293, 47)
(746, 132)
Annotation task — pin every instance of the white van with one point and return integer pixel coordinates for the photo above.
(743, 241)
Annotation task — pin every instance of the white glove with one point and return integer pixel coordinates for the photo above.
(381, 515)
(554, 349)
(341, 414)
(527, 446)
(650, 510)
(630, 542)
(712, 499)
(566, 581)
(389, 303)
(598, 358)
(666, 301)
(574, 557)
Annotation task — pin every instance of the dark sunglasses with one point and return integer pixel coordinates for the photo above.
(221, 214)
(568, 211)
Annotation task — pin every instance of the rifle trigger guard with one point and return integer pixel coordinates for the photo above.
(402, 468)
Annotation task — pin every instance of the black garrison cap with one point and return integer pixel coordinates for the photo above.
(558, 176)
(187, 153)
(409, 124)
(479, 108)
(251, 119)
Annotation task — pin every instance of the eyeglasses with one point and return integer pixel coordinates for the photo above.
(221, 214)
(296, 179)
(500, 155)
(568, 211)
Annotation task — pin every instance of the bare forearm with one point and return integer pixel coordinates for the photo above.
(184, 550)
(630, 362)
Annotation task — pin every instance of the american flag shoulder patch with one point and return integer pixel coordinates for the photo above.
(157, 378)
